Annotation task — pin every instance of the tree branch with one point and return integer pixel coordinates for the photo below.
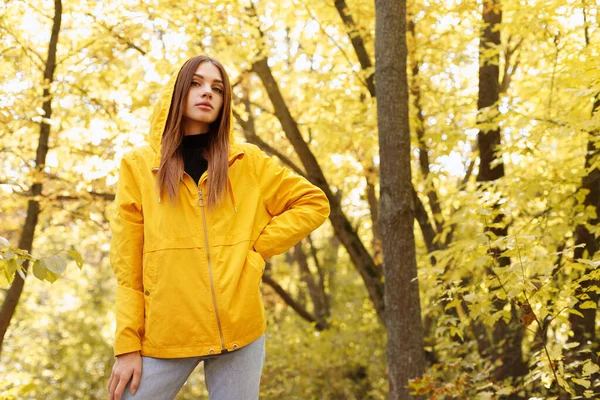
(313, 290)
(119, 37)
(285, 296)
(249, 129)
(357, 43)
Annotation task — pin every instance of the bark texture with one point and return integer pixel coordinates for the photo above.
(584, 329)
(405, 356)
(33, 206)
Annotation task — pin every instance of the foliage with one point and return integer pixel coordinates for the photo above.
(50, 268)
(60, 345)
(112, 58)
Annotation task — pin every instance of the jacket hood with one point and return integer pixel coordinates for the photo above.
(161, 112)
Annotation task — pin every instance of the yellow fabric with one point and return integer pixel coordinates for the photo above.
(159, 253)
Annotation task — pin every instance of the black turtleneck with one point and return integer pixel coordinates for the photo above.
(192, 147)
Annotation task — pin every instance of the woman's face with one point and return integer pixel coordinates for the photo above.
(204, 99)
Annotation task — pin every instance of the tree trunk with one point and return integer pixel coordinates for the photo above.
(584, 329)
(489, 92)
(405, 356)
(33, 207)
(510, 334)
(427, 227)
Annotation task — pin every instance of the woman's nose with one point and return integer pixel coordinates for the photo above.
(206, 91)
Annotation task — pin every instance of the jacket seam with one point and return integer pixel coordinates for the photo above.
(253, 169)
(135, 162)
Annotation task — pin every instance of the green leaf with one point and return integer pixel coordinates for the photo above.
(594, 264)
(505, 391)
(77, 257)
(11, 266)
(576, 312)
(587, 305)
(39, 270)
(501, 294)
(582, 382)
(471, 297)
(454, 303)
(484, 395)
(55, 264)
(51, 276)
(456, 332)
(562, 383)
(5, 278)
(590, 368)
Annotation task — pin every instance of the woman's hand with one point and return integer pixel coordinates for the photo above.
(126, 366)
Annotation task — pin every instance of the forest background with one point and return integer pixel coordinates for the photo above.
(505, 169)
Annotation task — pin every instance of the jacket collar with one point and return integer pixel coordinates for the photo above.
(235, 152)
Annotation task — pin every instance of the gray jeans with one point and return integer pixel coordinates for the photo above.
(229, 376)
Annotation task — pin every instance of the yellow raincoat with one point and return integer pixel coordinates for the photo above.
(188, 277)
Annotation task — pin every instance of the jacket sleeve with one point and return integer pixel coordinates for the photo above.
(297, 207)
(126, 248)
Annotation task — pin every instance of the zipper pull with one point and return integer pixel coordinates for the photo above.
(201, 202)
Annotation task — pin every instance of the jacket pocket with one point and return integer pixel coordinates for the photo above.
(240, 291)
(179, 301)
(256, 261)
(149, 272)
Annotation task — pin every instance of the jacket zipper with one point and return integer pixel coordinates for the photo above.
(212, 285)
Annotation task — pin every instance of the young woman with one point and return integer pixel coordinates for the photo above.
(197, 216)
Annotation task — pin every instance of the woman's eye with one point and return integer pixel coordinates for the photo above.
(219, 90)
(194, 83)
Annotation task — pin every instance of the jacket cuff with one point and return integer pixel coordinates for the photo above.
(130, 320)
(265, 252)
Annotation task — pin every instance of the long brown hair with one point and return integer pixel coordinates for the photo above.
(170, 171)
